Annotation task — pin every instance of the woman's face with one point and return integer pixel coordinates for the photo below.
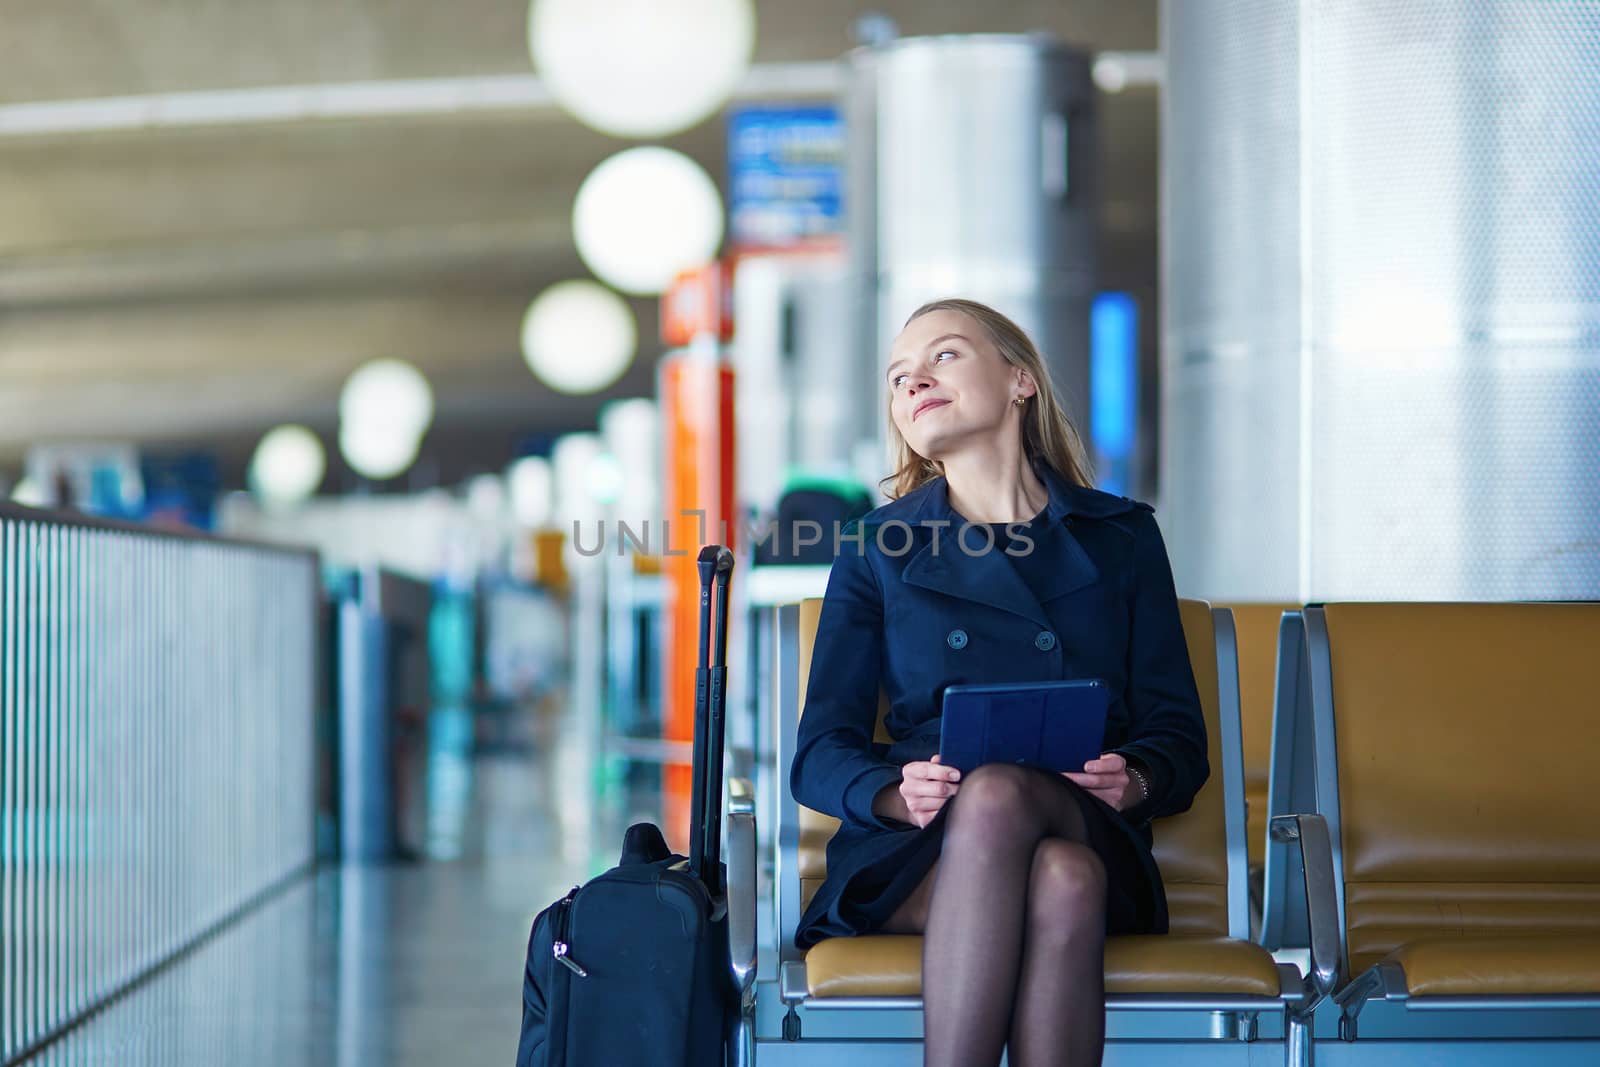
(947, 384)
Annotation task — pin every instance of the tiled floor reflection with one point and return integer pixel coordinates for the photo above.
(361, 967)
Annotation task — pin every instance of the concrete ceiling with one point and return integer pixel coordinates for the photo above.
(191, 287)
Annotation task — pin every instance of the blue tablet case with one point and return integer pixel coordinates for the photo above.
(1055, 725)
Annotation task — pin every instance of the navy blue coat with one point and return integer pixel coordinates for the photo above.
(901, 615)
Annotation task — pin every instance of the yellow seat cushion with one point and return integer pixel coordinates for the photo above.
(881, 965)
(1432, 703)
(1539, 965)
(1156, 963)
(873, 965)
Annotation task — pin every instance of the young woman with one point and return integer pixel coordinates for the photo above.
(995, 562)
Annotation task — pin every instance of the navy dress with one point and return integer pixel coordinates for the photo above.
(1085, 590)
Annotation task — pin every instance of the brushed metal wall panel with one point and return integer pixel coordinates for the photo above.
(1453, 195)
(983, 186)
(1446, 273)
(1231, 338)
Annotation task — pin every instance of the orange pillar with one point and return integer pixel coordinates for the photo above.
(696, 392)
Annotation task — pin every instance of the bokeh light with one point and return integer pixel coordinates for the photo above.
(641, 68)
(645, 215)
(387, 392)
(605, 478)
(28, 493)
(572, 459)
(288, 466)
(578, 337)
(378, 449)
(486, 498)
(532, 488)
(632, 432)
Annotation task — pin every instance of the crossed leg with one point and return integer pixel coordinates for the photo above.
(1014, 913)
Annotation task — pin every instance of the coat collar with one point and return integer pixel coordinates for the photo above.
(990, 578)
(931, 500)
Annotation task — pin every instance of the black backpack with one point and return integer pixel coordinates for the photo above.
(633, 966)
(830, 505)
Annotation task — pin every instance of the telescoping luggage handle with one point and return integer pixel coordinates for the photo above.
(710, 679)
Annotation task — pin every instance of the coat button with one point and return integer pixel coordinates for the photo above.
(1045, 641)
(957, 639)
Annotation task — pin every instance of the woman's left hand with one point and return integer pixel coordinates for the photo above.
(1107, 778)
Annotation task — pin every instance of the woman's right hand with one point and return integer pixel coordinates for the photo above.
(926, 787)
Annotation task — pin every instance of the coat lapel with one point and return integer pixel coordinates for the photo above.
(1072, 568)
(990, 577)
(987, 578)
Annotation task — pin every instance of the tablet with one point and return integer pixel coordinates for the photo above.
(1059, 726)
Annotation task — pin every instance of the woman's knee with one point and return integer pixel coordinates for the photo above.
(993, 799)
(1066, 888)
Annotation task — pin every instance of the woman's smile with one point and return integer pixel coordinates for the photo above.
(928, 405)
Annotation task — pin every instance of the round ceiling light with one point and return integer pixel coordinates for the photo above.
(288, 466)
(28, 493)
(388, 392)
(641, 68)
(578, 337)
(378, 449)
(645, 215)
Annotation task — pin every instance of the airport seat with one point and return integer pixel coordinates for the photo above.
(1207, 962)
(1454, 745)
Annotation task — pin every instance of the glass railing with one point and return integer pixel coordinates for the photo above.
(157, 694)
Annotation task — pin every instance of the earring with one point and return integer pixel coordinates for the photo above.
(1017, 401)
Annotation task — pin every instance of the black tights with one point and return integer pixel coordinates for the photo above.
(1015, 950)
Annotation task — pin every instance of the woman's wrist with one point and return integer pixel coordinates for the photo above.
(890, 804)
(1142, 782)
(1140, 778)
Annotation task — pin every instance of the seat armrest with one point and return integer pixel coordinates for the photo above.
(741, 796)
(1309, 834)
(741, 860)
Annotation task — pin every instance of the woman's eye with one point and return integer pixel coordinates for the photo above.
(894, 383)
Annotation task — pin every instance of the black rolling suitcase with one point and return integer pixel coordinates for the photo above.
(632, 967)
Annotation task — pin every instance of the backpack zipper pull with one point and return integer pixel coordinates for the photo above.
(559, 949)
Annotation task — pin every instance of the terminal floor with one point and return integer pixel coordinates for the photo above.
(415, 964)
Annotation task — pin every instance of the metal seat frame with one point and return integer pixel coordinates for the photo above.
(1203, 1027)
(1479, 1030)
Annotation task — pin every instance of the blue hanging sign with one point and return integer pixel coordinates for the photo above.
(786, 175)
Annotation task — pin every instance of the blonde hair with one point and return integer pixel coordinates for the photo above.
(1047, 433)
